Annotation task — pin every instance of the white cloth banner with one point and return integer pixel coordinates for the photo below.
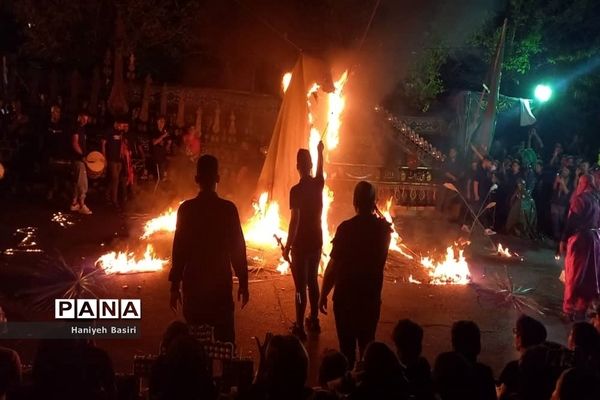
(527, 117)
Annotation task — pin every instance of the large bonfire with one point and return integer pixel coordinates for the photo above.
(266, 229)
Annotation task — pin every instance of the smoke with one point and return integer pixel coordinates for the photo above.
(402, 30)
(400, 33)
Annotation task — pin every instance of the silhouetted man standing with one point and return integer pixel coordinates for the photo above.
(208, 242)
(305, 239)
(358, 256)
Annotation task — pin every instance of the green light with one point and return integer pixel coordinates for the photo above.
(543, 93)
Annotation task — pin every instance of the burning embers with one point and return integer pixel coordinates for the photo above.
(27, 244)
(452, 270)
(126, 262)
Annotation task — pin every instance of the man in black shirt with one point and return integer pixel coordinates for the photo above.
(305, 239)
(360, 249)
(208, 242)
(56, 149)
(113, 148)
(482, 187)
(78, 150)
(453, 173)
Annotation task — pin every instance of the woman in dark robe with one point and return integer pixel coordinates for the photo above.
(582, 241)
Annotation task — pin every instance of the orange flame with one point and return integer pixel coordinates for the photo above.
(396, 243)
(285, 81)
(266, 221)
(126, 263)
(260, 228)
(450, 271)
(503, 251)
(166, 222)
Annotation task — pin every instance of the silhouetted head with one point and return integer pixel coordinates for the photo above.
(207, 172)
(334, 365)
(286, 365)
(381, 364)
(161, 121)
(466, 339)
(585, 338)
(83, 117)
(174, 330)
(577, 384)
(586, 183)
(304, 162)
(515, 167)
(364, 198)
(486, 163)
(529, 332)
(55, 113)
(408, 338)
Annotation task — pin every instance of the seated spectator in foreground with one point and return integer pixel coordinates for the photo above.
(528, 333)
(577, 384)
(453, 377)
(72, 369)
(584, 341)
(466, 340)
(334, 374)
(10, 371)
(174, 330)
(283, 372)
(382, 376)
(408, 338)
(181, 371)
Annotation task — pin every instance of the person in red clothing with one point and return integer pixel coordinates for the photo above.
(581, 240)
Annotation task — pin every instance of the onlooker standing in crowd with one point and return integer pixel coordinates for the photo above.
(408, 338)
(481, 192)
(57, 149)
(358, 256)
(160, 147)
(581, 241)
(113, 146)
(453, 173)
(557, 155)
(208, 242)
(559, 204)
(79, 150)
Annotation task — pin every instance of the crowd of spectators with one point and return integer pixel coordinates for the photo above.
(78, 369)
(530, 189)
(36, 150)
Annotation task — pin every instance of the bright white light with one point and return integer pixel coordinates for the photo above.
(543, 93)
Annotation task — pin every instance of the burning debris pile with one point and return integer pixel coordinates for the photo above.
(164, 223)
(126, 262)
